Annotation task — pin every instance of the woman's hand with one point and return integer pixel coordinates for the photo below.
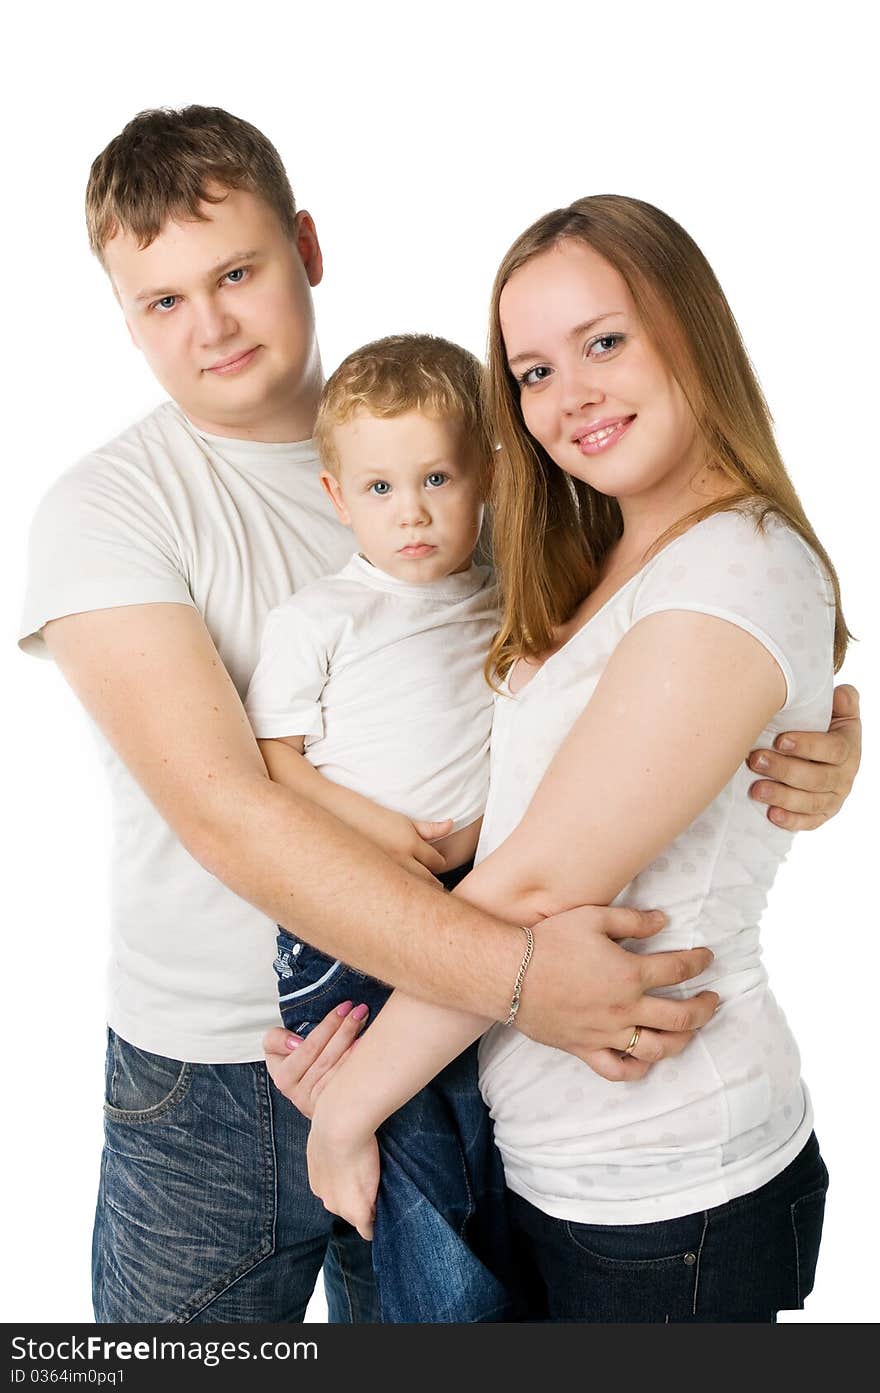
(809, 775)
(301, 1068)
(344, 1166)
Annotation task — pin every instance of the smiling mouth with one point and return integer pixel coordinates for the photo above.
(602, 437)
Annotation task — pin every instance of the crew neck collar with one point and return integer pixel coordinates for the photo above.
(239, 451)
(455, 587)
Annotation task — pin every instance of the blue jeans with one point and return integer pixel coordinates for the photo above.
(204, 1209)
(741, 1261)
(442, 1248)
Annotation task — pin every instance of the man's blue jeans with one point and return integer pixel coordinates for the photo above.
(204, 1208)
(442, 1246)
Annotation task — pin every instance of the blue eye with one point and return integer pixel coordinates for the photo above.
(380, 488)
(166, 303)
(236, 276)
(435, 480)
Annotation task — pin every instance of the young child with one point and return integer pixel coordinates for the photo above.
(369, 698)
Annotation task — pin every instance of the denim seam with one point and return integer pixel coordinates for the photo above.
(699, 1261)
(272, 1157)
(346, 1275)
(801, 1199)
(113, 1040)
(187, 1314)
(158, 1110)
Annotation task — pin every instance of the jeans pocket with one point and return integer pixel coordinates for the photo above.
(641, 1246)
(140, 1086)
(311, 983)
(807, 1216)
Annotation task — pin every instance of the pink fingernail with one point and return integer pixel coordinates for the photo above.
(293, 1041)
(344, 1009)
(786, 744)
(360, 1012)
(762, 762)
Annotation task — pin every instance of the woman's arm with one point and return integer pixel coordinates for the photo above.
(603, 811)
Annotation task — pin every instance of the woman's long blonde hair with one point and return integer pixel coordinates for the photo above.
(551, 532)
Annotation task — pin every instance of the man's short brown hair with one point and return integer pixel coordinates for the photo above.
(164, 163)
(401, 373)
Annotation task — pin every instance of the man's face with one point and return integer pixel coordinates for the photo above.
(222, 311)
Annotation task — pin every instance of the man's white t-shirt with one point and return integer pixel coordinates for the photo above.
(384, 679)
(231, 527)
(730, 1112)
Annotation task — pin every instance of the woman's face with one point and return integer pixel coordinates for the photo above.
(593, 389)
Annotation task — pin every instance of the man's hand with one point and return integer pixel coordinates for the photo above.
(808, 775)
(585, 994)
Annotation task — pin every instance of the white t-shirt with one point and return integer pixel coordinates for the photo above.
(384, 678)
(231, 527)
(730, 1112)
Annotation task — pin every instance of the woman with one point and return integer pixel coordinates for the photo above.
(663, 594)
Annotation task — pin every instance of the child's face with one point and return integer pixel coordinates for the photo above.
(409, 489)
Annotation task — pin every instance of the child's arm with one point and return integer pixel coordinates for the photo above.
(408, 843)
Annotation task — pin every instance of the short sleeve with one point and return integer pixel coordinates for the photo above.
(99, 540)
(284, 696)
(764, 579)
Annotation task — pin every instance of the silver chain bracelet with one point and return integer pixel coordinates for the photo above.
(520, 976)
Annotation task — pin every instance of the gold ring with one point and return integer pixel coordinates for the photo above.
(634, 1041)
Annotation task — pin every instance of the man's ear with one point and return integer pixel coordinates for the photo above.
(131, 335)
(309, 247)
(331, 486)
(118, 300)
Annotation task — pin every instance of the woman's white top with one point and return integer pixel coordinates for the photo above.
(384, 679)
(730, 1112)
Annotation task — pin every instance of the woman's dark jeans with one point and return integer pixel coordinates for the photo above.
(742, 1261)
(442, 1249)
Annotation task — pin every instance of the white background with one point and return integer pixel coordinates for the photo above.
(423, 140)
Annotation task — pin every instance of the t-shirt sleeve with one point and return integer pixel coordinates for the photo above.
(99, 539)
(766, 581)
(284, 696)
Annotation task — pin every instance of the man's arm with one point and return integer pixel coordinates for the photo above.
(808, 775)
(152, 680)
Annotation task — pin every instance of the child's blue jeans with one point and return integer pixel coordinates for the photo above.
(442, 1243)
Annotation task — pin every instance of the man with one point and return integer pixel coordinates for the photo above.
(153, 564)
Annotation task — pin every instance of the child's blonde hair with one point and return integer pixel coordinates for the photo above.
(402, 373)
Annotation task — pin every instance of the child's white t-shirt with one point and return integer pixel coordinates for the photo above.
(730, 1112)
(384, 679)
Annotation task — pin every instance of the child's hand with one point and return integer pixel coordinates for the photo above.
(344, 1168)
(409, 843)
